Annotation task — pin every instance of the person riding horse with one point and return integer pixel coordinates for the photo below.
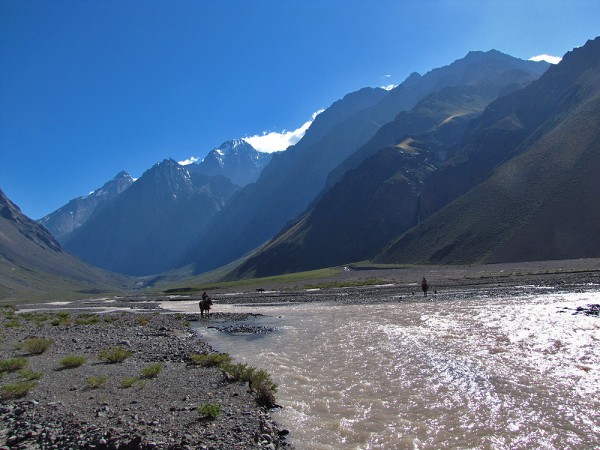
(205, 304)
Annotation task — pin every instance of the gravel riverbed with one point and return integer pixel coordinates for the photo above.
(66, 410)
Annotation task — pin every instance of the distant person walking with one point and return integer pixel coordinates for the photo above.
(424, 286)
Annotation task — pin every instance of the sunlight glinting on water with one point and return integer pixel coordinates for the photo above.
(487, 373)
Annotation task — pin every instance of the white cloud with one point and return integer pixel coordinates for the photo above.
(190, 160)
(548, 58)
(389, 87)
(273, 141)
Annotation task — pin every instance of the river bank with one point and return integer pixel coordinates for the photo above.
(114, 406)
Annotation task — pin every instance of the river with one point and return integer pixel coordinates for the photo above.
(497, 372)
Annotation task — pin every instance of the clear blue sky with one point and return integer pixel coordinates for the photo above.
(89, 88)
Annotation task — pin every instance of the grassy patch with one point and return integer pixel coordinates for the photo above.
(28, 375)
(211, 359)
(72, 361)
(286, 278)
(152, 370)
(143, 320)
(13, 323)
(114, 355)
(16, 390)
(259, 381)
(13, 364)
(127, 382)
(87, 319)
(209, 411)
(96, 381)
(35, 346)
(343, 284)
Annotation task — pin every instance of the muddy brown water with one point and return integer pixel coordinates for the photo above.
(498, 372)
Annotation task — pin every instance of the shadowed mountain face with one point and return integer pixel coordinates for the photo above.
(68, 218)
(33, 264)
(533, 159)
(147, 228)
(236, 160)
(381, 197)
(294, 178)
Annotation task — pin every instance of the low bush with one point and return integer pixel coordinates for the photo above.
(211, 359)
(152, 370)
(13, 323)
(72, 361)
(127, 382)
(16, 390)
(259, 380)
(28, 375)
(209, 411)
(96, 381)
(61, 318)
(114, 355)
(13, 364)
(35, 346)
(87, 319)
(143, 320)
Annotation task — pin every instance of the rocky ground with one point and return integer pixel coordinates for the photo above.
(64, 409)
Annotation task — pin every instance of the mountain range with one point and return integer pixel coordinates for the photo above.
(236, 160)
(34, 265)
(516, 185)
(488, 159)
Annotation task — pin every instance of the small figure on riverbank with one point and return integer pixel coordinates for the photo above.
(424, 286)
(205, 304)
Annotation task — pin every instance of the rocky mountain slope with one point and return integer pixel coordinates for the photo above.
(533, 158)
(34, 265)
(71, 216)
(378, 199)
(236, 160)
(147, 228)
(294, 178)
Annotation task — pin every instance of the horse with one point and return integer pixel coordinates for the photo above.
(204, 305)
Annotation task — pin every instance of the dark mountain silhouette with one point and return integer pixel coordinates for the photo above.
(71, 216)
(294, 178)
(525, 182)
(147, 228)
(489, 74)
(236, 160)
(34, 265)
(373, 203)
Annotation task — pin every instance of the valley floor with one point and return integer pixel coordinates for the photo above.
(90, 406)
(65, 409)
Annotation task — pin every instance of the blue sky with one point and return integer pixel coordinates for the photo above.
(89, 88)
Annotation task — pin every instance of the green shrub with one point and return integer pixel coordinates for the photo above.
(72, 361)
(16, 390)
(259, 381)
(96, 381)
(152, 370)
(36, 346)
(28, 375)
(87, 319)
(61, 318)
(114, 355)
(211, 359)
(143, 320)
(13, 364)
(209, 411)
(13, 323)
(127, 382)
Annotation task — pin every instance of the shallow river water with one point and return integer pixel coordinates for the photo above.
(512, 372)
